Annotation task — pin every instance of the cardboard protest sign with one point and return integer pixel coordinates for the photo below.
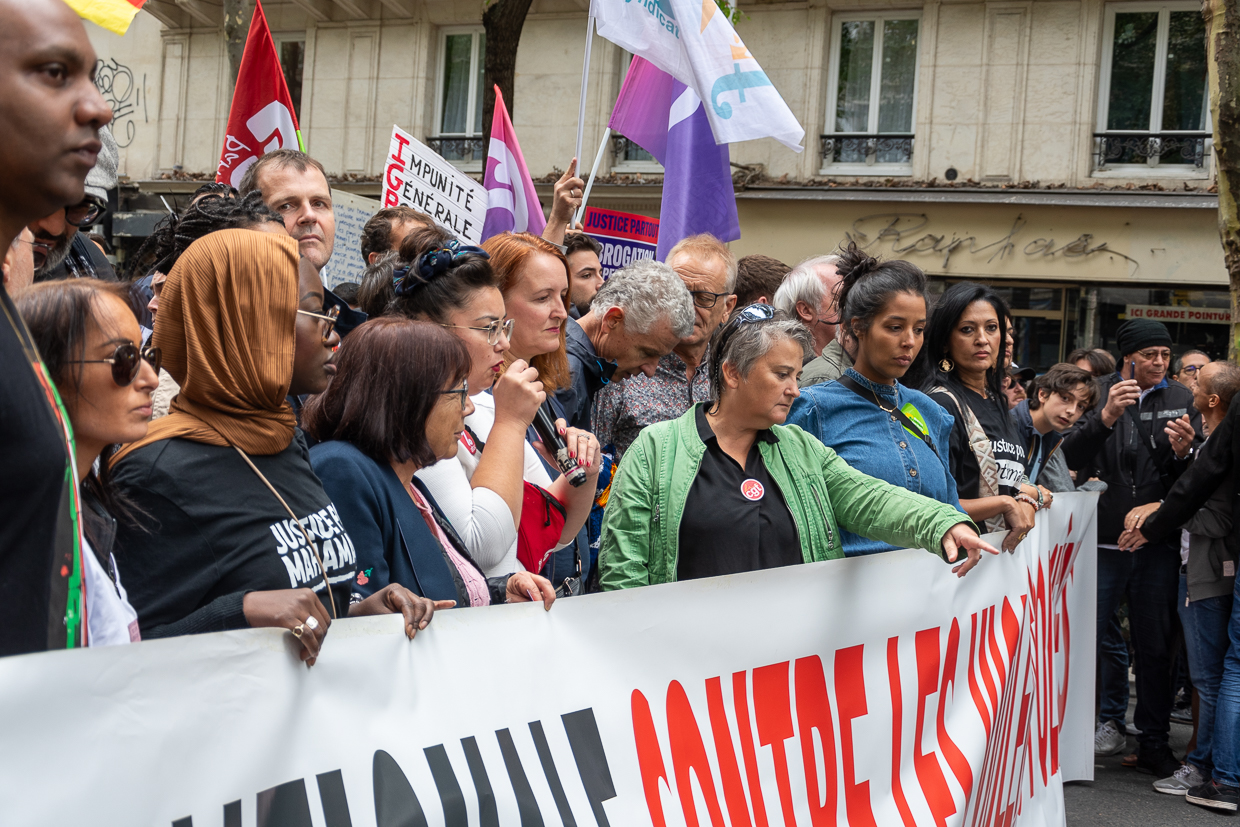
(352, 212)
(417, 176)
(625, 237)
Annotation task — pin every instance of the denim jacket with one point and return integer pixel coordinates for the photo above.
(875, 443)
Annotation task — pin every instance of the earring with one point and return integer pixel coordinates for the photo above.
(946, 365)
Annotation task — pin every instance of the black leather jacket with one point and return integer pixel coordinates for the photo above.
(1135, 473)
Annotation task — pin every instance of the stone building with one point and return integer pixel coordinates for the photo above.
(1059, 149)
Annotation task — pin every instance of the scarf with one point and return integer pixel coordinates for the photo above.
(226, 330)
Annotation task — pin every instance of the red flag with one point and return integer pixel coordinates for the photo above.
(262, 118)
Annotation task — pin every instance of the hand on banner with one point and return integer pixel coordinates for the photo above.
(395, 598)
(567, 198)
(1019, 518)
(1181, 433)
(958, 537)
(524, 587)
(292, 609)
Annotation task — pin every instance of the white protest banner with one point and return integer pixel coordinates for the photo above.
(879, 690)
(417, 176)
(351, 213)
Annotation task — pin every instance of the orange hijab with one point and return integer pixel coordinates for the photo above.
(226, 330)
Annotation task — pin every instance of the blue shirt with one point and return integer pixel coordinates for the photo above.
(875, 443)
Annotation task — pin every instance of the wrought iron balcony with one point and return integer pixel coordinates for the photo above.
(461, 150)
(1150, 148)
(887, 148)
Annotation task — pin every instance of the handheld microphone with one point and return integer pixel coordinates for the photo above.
(544, 425)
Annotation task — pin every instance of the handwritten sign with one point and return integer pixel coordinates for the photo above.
(1208, 315)
(625, 237)
(416, 176)
(352, 212)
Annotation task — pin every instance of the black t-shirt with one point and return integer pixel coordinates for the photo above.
(1006, 445)
(735, 518)
(215, 532)
(37, 527)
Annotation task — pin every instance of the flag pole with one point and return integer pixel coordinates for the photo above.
(581, 211)
(585, 78)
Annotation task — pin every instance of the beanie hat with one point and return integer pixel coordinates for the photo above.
(1138, 334)
(102, 176)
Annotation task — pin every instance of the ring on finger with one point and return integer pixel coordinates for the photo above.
(312, 623)
(299, 630)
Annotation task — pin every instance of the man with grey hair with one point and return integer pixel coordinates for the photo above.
(708, 269)
(635, 319)
(809, 293)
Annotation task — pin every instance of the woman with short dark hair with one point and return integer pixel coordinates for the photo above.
(727, 488)
(874, 423)
(965, 342)
(398, 403)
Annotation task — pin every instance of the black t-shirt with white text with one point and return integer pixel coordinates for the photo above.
(214, 531)
(1006, 445)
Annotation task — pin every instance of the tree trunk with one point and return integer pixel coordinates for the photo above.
(1223, 48)
(503, 21)
(237, 14)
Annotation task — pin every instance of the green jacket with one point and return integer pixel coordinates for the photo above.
(641, 524)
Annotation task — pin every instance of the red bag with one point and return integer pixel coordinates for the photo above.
(542, 523)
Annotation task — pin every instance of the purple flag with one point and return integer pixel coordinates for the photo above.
(667, 119)
(512, 203)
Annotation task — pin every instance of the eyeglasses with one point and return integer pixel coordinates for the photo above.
(126, 360)
(705, 299)
(87, 212)
(827, 321)
(330, 317)
(1154, 353)
(463, 390)
(492, 330)
(1191, 368)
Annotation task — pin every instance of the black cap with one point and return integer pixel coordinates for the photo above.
(1138, 334)
(1023, 374)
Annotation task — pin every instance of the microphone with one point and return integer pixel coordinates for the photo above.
(544, 425)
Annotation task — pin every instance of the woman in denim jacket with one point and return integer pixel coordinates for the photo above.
(878, 426)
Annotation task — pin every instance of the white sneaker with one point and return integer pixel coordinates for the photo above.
(1108, 740)
(1185, 778)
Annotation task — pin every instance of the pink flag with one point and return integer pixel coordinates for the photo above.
(512, 204)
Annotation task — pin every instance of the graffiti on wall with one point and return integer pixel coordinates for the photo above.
(116, 83)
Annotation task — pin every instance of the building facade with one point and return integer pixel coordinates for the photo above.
(1059, 149)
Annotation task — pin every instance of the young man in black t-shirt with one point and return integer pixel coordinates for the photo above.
(51, 112)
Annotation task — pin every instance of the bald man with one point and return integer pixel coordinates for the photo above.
(50, 116)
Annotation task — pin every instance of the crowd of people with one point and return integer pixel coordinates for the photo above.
(213, 440)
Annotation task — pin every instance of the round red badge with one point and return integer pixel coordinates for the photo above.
(752, 489)
(468, 441)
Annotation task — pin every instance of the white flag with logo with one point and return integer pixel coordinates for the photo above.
(693, 42)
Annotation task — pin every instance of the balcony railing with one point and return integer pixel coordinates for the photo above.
(459, 150)
(887, 148)
(1150, 148)
(628, 152)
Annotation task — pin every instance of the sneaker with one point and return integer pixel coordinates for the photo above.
(1131, 730)
(1184, 779)
(1159, 760)
(1183, 715)
(1108, 740)
(1214, 795)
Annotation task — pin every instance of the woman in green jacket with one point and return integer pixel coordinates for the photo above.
(727, 488)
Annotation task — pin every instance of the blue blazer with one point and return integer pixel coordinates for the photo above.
(393, 542)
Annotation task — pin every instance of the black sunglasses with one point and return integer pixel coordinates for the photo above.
(705, 299)
(126, 360)
(86, 212)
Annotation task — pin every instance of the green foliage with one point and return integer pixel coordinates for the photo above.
(731, 11)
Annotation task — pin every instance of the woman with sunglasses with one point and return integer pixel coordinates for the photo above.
(398, 403)
(91, 343)
(480, 488)
(875, 424)
(533, 278)
(727, 488)
(966, 340)
(239, 531)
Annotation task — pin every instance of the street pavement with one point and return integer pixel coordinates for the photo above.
(1125, 797)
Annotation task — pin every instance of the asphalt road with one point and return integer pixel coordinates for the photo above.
(1125, 797)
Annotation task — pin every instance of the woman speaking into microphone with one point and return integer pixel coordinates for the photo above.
(727, 488)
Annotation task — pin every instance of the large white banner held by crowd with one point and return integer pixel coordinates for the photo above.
(875, 691)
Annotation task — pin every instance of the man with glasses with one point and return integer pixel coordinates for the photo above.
(51, 113)
(1187, 367)
(708, 268)
(60, 250)
(1144, 445)
(808, 293)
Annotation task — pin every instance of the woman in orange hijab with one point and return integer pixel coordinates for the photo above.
(239, 531)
